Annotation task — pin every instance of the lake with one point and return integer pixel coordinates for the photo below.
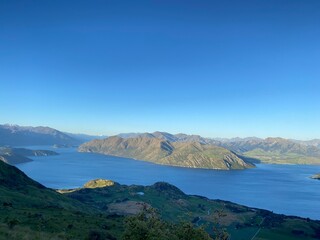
(285, 189)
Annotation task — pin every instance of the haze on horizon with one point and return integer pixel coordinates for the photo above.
(213, 68)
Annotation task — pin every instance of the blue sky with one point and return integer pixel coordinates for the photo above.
(214, 68)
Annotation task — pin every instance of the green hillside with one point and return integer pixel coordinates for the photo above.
(216, 216)
(29, 210)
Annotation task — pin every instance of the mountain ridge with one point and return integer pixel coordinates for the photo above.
(15, 135)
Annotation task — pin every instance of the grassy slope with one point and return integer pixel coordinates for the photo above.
(28, 210)
(173, 205)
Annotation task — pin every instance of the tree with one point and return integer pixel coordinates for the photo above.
(148, 226)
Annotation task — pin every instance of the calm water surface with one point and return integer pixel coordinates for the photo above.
(285, 189)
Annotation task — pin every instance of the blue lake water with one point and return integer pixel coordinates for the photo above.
(285, 189)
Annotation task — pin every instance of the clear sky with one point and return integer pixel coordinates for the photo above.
(214, 68)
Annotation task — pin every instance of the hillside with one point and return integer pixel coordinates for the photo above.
(29, 210)
(269, 150)
(313, 142)
(156, 150)
(14, 158)
(15, 135)
(20, 155)
(173, 205)
(276, 150)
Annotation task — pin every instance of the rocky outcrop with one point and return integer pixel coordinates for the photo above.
(98, 183)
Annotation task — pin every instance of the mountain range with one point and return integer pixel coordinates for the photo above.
(237, 151)
(15, 135)
(80, 137)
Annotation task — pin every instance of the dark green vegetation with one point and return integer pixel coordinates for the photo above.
(20, 155)
(156, 150)
(148, 225)
(27, 136)
(217, 217)
(28, 210)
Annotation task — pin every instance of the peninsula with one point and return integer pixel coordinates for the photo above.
(159, 151)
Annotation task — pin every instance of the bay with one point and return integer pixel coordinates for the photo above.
(285, 189)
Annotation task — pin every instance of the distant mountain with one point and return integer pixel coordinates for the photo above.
(15, 135)
(180, 137)
(84, 137)
(275, 150)
(237, 139)
(129, 135)
(314, 142)
(161, 151)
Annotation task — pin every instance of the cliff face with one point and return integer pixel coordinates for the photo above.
(183, 154)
